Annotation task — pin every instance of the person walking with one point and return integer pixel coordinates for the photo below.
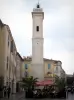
(8, 91)
(5, 91)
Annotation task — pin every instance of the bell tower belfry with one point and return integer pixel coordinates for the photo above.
(37, 43)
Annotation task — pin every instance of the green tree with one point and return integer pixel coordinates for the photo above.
(60, 82)
(29, 83)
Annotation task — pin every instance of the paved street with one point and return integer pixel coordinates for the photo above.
(20, 96)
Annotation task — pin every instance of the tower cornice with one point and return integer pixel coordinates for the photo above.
(38, 13)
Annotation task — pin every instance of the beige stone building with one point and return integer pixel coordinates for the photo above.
(19, 64)
(7, 57)
(50, 69)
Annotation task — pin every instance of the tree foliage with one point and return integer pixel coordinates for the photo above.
(29, 83)
(70, 81)
(60, 82)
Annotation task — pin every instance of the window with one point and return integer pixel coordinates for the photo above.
(7, 63)
(37, 28)
(11, 46)
(8, 41)
(56, 69)
(26, 74)
(49, 66)
(6, 83)
(26, 66)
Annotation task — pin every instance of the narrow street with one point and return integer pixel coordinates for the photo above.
(17, 96)
(21, 96)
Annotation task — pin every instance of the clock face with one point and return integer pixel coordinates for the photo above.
(37, 42)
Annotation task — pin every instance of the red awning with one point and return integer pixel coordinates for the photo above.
(44, 83)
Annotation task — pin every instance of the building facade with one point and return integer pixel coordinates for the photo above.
(7, 57)
(58, 68)
(50, 69)
(19, 64)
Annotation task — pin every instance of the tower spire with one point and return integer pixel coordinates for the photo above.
(38, 5)
(38, 1)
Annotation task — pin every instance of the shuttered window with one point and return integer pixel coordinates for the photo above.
(49, 66)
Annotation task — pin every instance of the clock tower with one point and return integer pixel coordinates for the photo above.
(37, 43)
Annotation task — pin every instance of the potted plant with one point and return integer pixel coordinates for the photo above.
(60, 83)
(29, 84)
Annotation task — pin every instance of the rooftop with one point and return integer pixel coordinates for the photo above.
(29, 58)
(1, 23)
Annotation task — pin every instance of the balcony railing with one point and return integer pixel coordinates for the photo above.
(37, 10)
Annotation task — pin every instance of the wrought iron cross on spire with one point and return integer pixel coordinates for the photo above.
(38, 5)
(38, 1)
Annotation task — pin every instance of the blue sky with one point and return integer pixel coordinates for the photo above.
(58, 28)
